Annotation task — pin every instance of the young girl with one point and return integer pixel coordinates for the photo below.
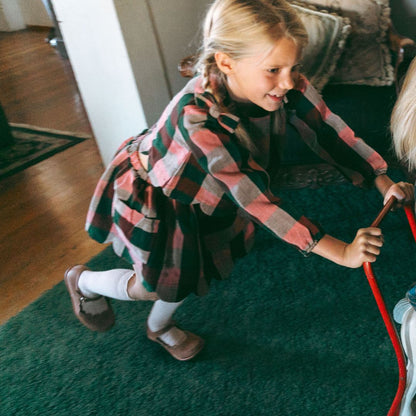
(179, 200)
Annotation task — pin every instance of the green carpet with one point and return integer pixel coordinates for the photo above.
(32, 145)
(285, 335)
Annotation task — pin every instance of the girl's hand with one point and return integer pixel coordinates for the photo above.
(403, 191)
(365, 247)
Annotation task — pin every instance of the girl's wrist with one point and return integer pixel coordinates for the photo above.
(331, 249)
(383, 183)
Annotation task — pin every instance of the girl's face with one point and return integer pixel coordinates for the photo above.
(262, 79)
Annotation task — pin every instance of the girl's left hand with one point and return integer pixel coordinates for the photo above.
(403, 191)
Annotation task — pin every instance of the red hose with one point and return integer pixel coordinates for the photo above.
(391, 328)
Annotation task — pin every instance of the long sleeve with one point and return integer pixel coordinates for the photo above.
(229, 173)
(329, 136)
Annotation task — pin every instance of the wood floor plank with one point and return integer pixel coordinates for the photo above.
(43, 208)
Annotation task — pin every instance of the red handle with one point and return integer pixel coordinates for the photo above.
(386, 209)
(391, 328)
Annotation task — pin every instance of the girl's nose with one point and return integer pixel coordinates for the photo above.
(286, 81)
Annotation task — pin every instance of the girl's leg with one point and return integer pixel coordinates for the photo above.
(182, 345)
(136, 288)
(89, 292)
(121, 284)
(160, 317)
(111, 283)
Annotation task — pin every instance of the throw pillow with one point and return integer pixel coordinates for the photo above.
(367, 58)
(327, 34)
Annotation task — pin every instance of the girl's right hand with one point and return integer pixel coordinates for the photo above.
(365, 247)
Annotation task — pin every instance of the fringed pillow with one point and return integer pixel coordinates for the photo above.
(327, 35)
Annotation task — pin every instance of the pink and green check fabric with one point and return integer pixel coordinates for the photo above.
(191, 213)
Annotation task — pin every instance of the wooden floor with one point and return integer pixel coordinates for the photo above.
(43, 208)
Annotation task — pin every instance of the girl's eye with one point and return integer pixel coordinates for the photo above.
(296, 68)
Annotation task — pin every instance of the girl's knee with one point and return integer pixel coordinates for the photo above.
(137, 291)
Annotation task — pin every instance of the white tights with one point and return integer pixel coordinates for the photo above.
(114, 284)
(111, 283)
(160, 316)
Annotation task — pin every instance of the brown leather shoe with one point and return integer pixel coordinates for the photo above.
(95, 313)
(184, 351)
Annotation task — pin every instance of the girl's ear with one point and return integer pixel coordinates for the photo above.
(224, 63)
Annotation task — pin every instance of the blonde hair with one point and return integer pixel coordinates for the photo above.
(403, 119)
(237, 28)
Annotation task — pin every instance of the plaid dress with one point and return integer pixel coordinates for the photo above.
(190, 214)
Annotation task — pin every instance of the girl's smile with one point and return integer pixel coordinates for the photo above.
(277, 98)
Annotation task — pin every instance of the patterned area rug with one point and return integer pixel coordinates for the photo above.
(32, 145)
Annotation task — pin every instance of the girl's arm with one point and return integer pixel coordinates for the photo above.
(403, 191)
(336, 140)
(368, 241)
(330, 137)
(365, 248)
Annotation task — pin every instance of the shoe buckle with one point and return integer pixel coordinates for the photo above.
(83, 300)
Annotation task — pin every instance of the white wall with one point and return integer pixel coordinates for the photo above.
(4, 24)
(11, 16)
(158, 34)
(178, 27)
(144, 57)
(34, 13)
(17, 14)
(95, 45)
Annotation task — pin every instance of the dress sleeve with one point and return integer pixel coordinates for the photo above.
(242, 180)
(329, 136)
